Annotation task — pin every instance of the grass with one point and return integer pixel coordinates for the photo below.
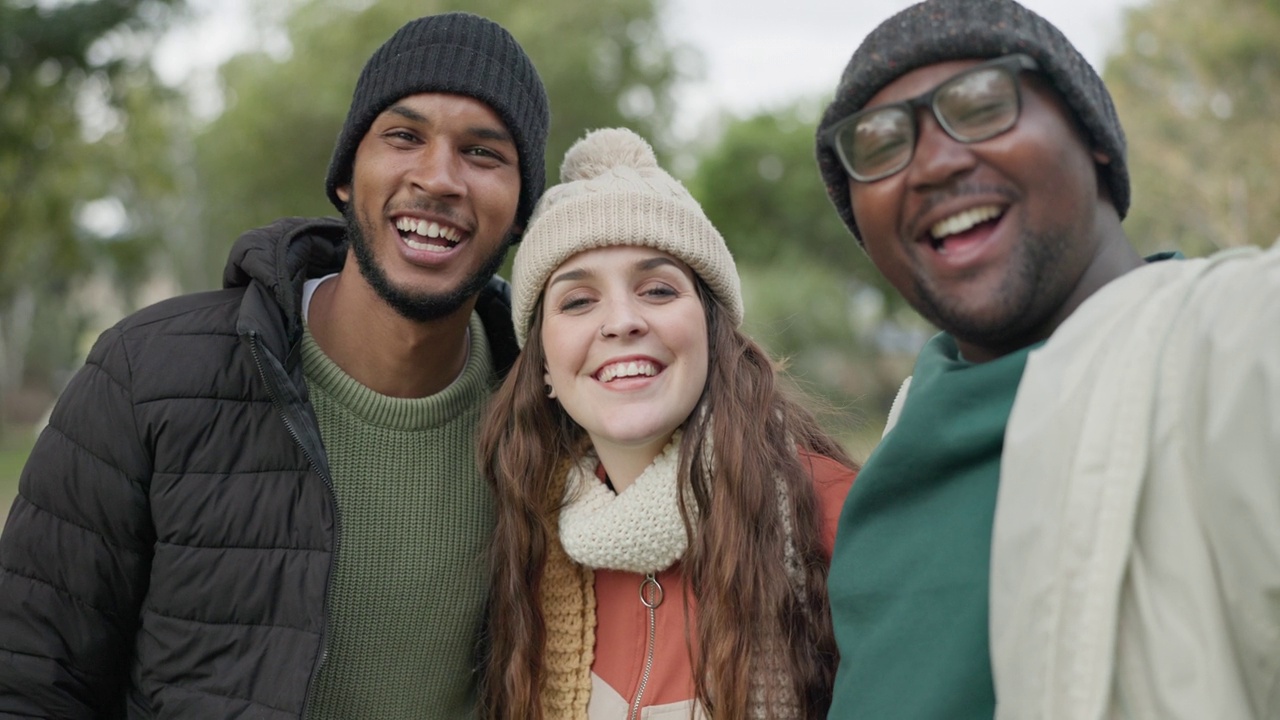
(13, 455)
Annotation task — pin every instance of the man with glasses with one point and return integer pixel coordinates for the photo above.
(1075, 511)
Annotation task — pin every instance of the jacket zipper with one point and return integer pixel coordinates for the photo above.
(333, 503)
(651, 595)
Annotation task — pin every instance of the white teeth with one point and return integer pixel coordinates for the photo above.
(962, 221)
(635, 368)
(426, 229)
(429, 247)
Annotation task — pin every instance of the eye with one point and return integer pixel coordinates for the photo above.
(658, 290)
(401, 137)
(574, 302)
(486, 155)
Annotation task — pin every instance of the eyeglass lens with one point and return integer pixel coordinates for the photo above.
(970, 107)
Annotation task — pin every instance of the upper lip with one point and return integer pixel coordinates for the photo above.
(611, 362)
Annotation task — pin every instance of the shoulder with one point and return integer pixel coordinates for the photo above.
(494, 308)
(825, 470)
(831, 482)
(173, 340)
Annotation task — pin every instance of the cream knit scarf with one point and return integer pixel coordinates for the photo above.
(638, 530)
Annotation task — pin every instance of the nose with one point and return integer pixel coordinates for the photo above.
(938, 158)
(623, 320)
(436, 170)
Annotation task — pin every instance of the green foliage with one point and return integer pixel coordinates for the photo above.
(604, 63)
(760, 185)
(1197, 85)
(83, 122)
(814, 295)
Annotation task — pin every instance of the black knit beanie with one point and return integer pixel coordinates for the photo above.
(456, 53)
(940, 30)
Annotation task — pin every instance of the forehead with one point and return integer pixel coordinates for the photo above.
(433, 107)
(919, 81)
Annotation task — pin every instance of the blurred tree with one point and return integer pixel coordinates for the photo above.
(814, 295)
(1197, 83)
(759, 184)
(604, 62)
(84, 131)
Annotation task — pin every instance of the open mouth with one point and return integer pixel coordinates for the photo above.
(627, 369)
(963, 226)
(427, 235)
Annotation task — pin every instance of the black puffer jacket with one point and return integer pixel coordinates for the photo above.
(170, 549)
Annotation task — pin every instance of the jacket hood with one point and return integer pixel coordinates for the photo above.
(284, 254)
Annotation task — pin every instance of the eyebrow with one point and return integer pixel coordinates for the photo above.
(581, 273)
(481, 132)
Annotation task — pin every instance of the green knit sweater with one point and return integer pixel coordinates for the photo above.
(408, 584)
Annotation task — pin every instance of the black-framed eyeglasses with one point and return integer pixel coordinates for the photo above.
(974, 105)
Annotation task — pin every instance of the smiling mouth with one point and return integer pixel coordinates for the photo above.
(427, 235)
(629, 369)
(962, 222)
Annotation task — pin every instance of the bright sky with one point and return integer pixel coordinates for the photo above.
(757, 53)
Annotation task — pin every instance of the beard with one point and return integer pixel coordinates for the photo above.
(418, 306)
(1034, 291)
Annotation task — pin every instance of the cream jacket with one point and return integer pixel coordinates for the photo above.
(1136, 548)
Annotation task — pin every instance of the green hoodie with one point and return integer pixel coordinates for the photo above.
(910, 568)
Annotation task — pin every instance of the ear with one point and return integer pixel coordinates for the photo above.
(1101, 158)
(343, 192)
(551, 391)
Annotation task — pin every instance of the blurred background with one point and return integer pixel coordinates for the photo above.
(139, 138)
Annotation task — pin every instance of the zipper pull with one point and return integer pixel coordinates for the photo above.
(651, 592)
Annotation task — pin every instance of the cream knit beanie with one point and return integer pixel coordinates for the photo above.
(612, 193)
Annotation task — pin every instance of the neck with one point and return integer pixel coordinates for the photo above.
(381, 349)
(1113, 258)
(624, 463)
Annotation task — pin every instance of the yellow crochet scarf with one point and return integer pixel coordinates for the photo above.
(568, 600)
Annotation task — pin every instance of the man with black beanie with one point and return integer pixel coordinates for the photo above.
(263, 501)
(1074, 511)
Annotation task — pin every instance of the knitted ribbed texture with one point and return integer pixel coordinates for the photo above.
(456, 53)
(612, 193)
(408, 587)
(940, 30)
(568, 602)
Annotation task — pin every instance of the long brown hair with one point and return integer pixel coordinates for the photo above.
(751, 614)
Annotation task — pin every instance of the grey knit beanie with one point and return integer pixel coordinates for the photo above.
(456, 53)
(940, 30)
(612, 193)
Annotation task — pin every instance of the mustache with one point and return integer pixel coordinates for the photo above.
(430, 207)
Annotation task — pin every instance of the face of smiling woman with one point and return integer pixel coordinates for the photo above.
(625, 337)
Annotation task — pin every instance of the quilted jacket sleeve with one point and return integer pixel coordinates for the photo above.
(75, 551)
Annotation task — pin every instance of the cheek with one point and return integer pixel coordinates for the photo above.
(501, 193)
(700, 353)
(561, 350)
(875, 210)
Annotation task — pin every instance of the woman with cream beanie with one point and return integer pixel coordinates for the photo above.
(665, 512)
